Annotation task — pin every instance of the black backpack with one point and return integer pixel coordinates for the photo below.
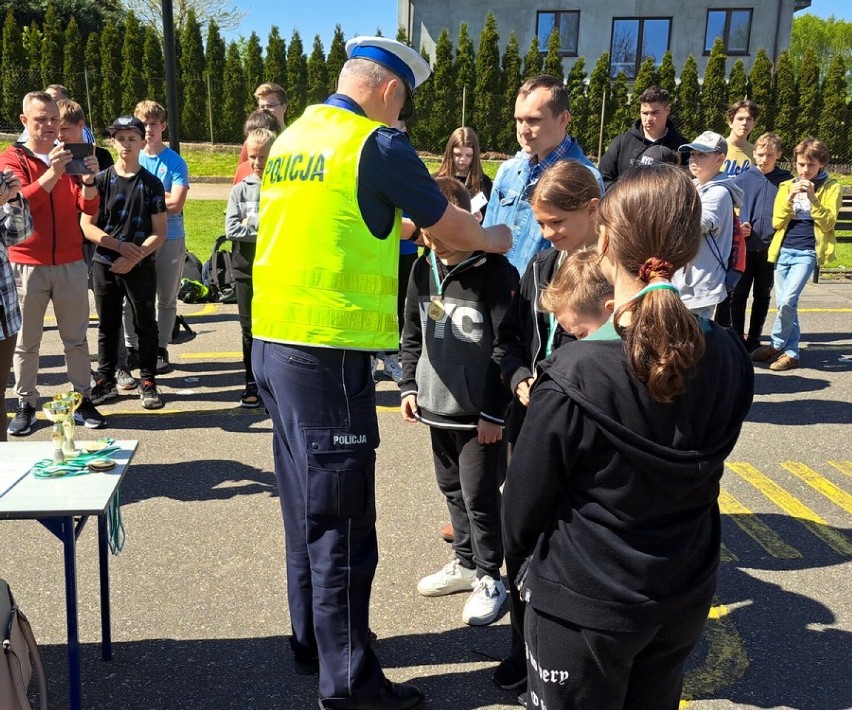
(218, 275)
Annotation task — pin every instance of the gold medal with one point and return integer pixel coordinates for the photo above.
(436, 310)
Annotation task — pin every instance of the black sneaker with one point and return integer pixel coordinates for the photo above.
(250, 399)
(132, 359)
(88, 416)
(103, 390)
(22, 422)
(511, 674)
(163, 364)
(150, 396)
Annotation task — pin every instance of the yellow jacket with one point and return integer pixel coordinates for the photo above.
(824, 210)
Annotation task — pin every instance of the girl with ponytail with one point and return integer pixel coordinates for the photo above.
(612, 489)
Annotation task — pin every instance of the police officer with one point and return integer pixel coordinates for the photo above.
(325, 289)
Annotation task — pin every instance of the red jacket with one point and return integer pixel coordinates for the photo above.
(57, 237)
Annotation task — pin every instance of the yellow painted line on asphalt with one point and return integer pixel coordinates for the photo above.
(726, 661)
(794, 508)
(755, 528)
(211, 356)
(208, 310)
(831, 491)
(842, 466)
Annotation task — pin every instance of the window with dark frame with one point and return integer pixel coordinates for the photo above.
(733, 26)
(634, 39)
(568, 24)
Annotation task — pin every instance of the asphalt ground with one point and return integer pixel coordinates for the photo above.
(198, 594)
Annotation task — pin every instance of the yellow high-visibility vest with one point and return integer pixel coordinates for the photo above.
(320, 277)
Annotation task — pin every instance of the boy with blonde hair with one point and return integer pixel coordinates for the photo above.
(580, 297)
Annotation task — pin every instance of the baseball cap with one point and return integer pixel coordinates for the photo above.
(126, 123)
(399, 58)
(707, 142)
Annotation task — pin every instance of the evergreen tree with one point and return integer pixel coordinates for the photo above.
(553, 58)
(760, 91)
(297, 76)
(317, 74)
(32, 48)
(72, 50)
(418, 126)
(598, 91)
(234, 99)
(831, 129)
(337, 57)
(193, 113)
(786, 103)
(464, 70)
(623, 115)
(95, 112)
(214, 56)
(666, 76)
(510, 81)
(714, 92)
(442, 120)
(253, 70)
(51, 49)
(810, 96)
(154, 69)
(13, 57)
(133, 84)
(645, 77)
(488, 99)
(689, 119)
(576, 86)
(737, 82)
(110, 80)
(402, 36)
(533, 61)
(275, 62)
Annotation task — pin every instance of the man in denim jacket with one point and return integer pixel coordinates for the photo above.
(542, 117)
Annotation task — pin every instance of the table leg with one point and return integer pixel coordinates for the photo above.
(103, 559)
(69, 542)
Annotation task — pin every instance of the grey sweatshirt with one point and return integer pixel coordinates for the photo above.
(702, 283)
(242, 205)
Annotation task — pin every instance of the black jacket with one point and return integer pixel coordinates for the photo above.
(627, 149)
(449, 363)
(615, 495)
(522, 336)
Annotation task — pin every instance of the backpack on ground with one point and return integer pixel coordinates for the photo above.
(19, 658)
(736, 263)
(218, 274)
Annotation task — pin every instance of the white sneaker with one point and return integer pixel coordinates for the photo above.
(484, 604)
(450, 579)
(392, 367)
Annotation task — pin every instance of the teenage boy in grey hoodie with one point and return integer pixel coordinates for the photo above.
(702, 283)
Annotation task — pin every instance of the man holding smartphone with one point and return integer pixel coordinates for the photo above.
(50, 263)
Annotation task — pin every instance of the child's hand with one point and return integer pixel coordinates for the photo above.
(522, 391)
(91, 162)
(123, 265)
(408, 407)
(489, 432)
(130, 251)
(745, 228)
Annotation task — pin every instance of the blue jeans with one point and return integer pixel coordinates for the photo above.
(792, 271)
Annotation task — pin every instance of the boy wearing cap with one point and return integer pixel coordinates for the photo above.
(127, 230)
(702, 283)
(325, 296)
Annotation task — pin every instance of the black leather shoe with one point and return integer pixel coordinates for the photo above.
(394, 696)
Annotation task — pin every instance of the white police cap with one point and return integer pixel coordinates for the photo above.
(399, 58)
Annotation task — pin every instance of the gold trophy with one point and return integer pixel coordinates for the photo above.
(60, 410)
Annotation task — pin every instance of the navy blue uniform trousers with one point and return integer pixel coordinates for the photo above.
(322, 403)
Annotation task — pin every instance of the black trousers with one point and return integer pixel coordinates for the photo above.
(470, 475)
(242, 258)
(139, 286)
(758, 279)
(569, 666)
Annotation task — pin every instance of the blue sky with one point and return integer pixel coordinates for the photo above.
(362, 17)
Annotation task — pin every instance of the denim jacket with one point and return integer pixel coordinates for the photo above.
(510, 199)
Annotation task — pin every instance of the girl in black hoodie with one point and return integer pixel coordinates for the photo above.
(613, 485)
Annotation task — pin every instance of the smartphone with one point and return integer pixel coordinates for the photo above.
(78, 152)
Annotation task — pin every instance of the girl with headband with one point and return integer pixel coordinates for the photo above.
(613, 484)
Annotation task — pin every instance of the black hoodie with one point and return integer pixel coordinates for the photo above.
(615, 495)
(628, 148)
